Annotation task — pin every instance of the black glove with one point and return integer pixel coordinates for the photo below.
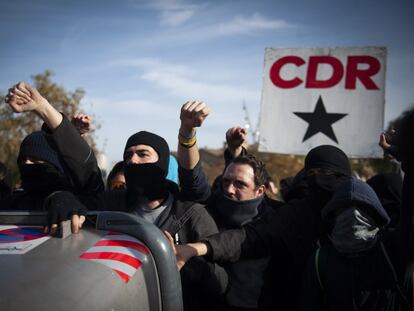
(62, 205)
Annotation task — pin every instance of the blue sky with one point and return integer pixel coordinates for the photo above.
(139, 61)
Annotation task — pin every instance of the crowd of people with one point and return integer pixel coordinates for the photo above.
(332, 241)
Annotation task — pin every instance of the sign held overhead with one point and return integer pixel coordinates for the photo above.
(323, 96)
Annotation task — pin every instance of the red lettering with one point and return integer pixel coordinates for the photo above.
(275, 72)
(353, 73)
(364, 75)
(337, 73)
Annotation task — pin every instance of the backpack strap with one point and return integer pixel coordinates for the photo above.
(181, 221)
(317, 268)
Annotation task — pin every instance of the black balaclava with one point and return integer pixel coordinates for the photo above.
(147, 182)
(45, 177)
(321, 186)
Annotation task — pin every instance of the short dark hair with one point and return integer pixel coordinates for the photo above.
(261, 177)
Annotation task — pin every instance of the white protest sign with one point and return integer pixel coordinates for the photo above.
(321, 96)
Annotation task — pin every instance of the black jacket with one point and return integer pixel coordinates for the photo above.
(289, 234)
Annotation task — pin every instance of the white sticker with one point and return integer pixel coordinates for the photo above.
(19, 240)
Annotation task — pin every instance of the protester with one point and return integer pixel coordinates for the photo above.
(55, 164)
(357, 270)
(288, 233)
(236, 198)
(151, 196)
(401, 147)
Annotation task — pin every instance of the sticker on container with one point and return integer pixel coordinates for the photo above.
(19, 240)
(122, 253)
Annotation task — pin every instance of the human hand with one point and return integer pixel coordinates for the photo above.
(23, 97)
(182, 253)
(386, 143)
(193, 114)
(235, 138)
(82, 122)
(61, 206)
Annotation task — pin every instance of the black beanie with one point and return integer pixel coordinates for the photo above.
(37, 146)
(157, 142)
(328, 157)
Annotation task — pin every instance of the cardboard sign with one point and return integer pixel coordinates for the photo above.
(322, 96)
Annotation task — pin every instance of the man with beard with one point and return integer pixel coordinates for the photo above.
(239, 200)
(54, 163)
(289, 234)
(150, 195)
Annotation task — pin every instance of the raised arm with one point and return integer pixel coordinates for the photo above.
(77, 155)
(192, 115)
(193, 181)
(22, 98)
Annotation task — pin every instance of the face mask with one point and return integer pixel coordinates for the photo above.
(145, 183)
(353, 232)
(321, 183)
(42, 178)
(234, 213)
(321, 188)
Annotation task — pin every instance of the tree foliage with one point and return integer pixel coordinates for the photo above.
(14, 127)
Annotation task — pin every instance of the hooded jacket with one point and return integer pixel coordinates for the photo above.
(353, 278)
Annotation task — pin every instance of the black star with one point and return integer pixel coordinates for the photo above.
(320, 121)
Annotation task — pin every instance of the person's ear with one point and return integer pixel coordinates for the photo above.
(261, 190)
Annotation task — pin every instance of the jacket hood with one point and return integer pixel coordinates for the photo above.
(357, 192)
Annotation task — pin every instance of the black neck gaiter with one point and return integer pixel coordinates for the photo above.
(234, 213)
(145, 183)
(42, 178)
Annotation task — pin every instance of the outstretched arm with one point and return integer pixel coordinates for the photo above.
(185, 252)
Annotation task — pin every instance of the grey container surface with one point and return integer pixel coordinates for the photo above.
(52, 276)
